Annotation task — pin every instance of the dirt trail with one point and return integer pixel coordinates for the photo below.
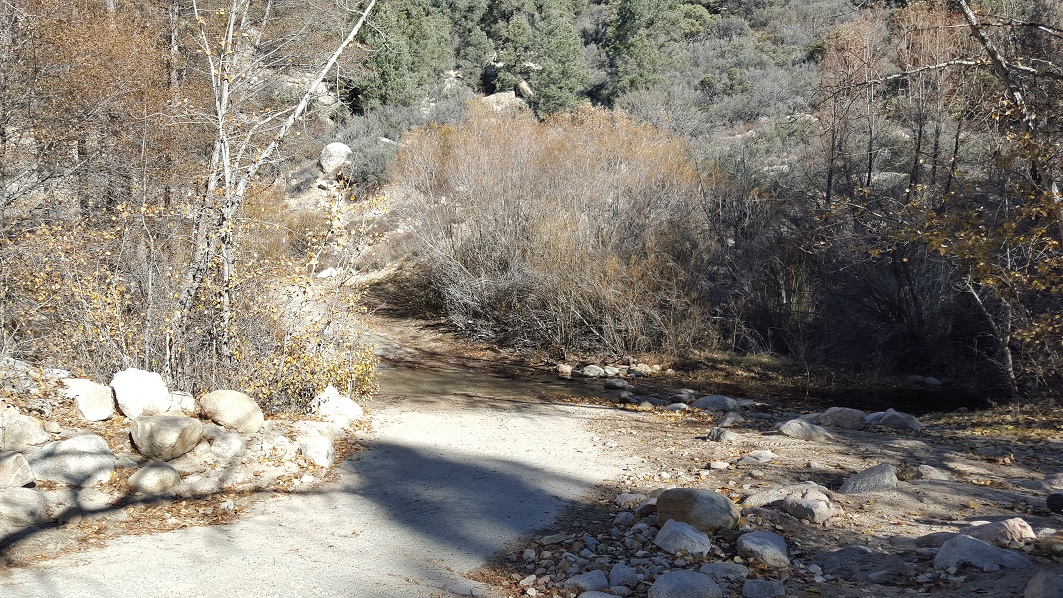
(458, 465)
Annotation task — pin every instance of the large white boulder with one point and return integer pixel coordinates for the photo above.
(139, 392)
(15, 471)
(317, 449)
(232, 409)
(334, 156)
(78, 461)
(93, 402)
(333, 407)
(20, 432)
(165, 437)
(22, 506)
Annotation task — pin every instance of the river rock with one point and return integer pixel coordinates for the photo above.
(616, 384)
(93, 402)
(766, 497)
(629, 501)
(590, 581)
(592, 371)
(232, 409)
(165, 437)
(676, 536)
(1002, 533)
(716, 403)
(843, 418)
(1045, 584)
(564, 370)
(706, 510)
(20, 432)
(768, 548)
(860, 563)
(78, 461)
(228, 445)
(154, 478)
(15, 471)
(333, 407)
(724, 436)
(899, 421)
(803, 430)
(334, 156)
(758, 457)
(138, 392)
(729, 419)
(728, 571)
(317, 449)
(879, 478)
(812, 505)
(763, 588)
(965, 550)
(622, 575)
(929, 472)
(22, 506)
(685, 584)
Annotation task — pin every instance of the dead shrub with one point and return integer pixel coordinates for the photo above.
(573, 233)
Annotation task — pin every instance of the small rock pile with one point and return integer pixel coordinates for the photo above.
(176, 446)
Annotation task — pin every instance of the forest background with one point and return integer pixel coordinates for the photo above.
(867, 187)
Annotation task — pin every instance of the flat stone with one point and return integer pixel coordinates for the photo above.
(706, 510)
(78, 461)
(965, 550)
(676, 536)
(768, 548)
(803, 430)
(879, 478)
(15, 471)
(779, 493)
(758, 457)
(685, 584)
(154, 478)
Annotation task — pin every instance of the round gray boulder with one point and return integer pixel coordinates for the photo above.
(685, 584)
(765, 547)
(706, 510)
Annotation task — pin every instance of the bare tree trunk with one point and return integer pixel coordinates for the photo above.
(233, 179)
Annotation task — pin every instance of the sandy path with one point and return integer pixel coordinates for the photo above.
(447, 481)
